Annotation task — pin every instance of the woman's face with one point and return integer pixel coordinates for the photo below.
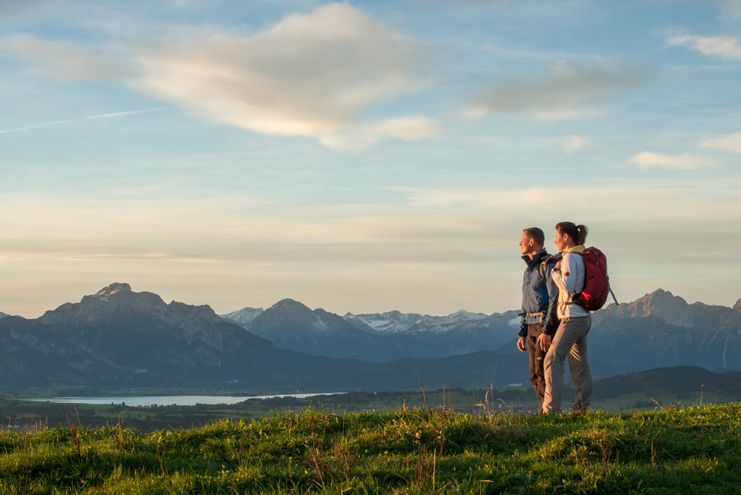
(562, 241)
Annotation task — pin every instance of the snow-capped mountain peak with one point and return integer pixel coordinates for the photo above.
(397, 322)
(243, 317)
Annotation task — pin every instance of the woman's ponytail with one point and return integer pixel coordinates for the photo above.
(581, 237)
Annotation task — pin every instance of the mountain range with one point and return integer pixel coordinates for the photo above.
(121, 339)
(375, 337)
(127, 340)
(659, 329)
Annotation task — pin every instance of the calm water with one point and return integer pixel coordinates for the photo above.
(170, 400)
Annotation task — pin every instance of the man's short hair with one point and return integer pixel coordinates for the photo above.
(535, 234)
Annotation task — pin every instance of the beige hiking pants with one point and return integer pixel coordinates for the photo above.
(571, 340)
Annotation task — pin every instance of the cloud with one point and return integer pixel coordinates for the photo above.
(730, 143)
(730, 8)
(311, 75)
(416, 248)
(684, 161)
(564, 87)
(358, 138)
(71, 60)
(12, 7)
(716, 46)
(574, 144)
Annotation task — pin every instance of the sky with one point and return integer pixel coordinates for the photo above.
(364, 156)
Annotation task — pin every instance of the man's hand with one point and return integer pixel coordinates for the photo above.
(521, 346)
(544, 341)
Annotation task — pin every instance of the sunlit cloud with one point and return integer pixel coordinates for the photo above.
(310, 75)
(715, 46)
(574, 144)
(358, 138)
(683, 161)
(731, 143)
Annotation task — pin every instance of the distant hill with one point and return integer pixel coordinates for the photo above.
(678, 381)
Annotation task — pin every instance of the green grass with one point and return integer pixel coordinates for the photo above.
(670, 450)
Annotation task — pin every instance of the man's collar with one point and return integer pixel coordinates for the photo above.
(536, 259)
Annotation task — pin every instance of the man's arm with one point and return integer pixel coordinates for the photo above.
(550, 320)
(523, 325)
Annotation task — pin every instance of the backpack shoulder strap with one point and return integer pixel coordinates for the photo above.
(543, 265)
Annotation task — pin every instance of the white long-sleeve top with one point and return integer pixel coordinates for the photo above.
(570, 281)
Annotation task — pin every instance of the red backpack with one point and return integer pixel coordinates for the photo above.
(596, 282)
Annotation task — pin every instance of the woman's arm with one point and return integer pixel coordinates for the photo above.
(564, 278)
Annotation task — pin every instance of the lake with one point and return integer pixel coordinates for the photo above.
(171, 400)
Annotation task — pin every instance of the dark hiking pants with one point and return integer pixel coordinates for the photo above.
(537, 374)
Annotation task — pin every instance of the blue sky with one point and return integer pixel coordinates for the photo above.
(364, 156)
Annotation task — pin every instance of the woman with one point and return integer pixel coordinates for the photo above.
(571, 337)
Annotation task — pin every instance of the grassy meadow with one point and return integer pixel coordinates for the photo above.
(409, 450)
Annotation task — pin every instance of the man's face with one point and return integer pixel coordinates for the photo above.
(526, 244)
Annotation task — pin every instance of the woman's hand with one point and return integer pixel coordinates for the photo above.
(557, 266)
(544, 341)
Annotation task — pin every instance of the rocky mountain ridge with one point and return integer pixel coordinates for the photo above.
(121, 339)
(384, 337)
(125, 339)
(658, 329)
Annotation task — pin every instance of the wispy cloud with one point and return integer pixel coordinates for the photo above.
(358, 138)
(559, 91)
(684, 161)
(730, 8)
(574, 144)
(715, 46)
(730, 143)
(111, 115)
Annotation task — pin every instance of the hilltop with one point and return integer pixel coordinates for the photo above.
(693, 450)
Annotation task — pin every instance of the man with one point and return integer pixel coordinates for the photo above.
(539, 295)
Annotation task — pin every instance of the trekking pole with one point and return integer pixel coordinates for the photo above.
(613, 296)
